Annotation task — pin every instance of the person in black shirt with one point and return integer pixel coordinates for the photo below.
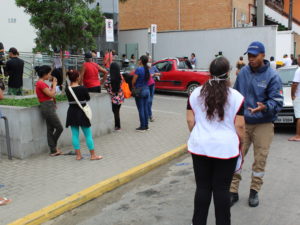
(14, 69)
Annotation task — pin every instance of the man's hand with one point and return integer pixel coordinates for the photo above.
(260, 107)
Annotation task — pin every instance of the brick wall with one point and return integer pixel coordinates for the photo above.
(243, 9)
(296, 8)
(297, 40)
(194, 14)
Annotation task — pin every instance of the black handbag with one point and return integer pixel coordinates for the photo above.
(136, 92)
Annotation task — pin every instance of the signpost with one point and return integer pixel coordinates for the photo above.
(153, 37)
(109, 28)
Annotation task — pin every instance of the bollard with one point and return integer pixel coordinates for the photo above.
(7, 137)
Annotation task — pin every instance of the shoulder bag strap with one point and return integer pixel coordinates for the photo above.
(74, 96)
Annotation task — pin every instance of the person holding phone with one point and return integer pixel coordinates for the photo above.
(46, 97)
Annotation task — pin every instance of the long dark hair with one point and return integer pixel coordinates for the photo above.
(115, 77)
(144, 60)
(215, 91)
(42, 70)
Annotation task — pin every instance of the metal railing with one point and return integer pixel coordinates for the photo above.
(7, 137)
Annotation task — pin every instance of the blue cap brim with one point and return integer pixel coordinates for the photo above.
(252, 52)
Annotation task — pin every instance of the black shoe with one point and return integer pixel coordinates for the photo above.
(253, 198)
(234, 197)
(140, 129)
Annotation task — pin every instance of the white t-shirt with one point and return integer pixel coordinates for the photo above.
(297, 80)
(273, 65)
(215, 138)
(287, 61)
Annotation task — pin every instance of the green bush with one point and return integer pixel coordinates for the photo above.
(28, 102)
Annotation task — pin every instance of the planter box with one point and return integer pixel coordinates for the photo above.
(28, 133)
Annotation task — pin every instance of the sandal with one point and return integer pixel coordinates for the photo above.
(98, 157)
(4, 201)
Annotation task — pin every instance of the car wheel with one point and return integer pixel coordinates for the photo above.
(191, 88)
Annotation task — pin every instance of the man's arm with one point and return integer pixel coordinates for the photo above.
(275, 99)
(293, 90)
(82, 71)
(104, 71)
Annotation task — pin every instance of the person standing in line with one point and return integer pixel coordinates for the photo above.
(108, 58)
(140, 84)
(76, 117)
(154, 72)
(113, 87)
(261, 87)
(89, 74)
(216, 122)
(45, 96)
(287, 61)
(193, 60)
(294, 60)
(187, 63)
(133, 59)
(273, 63)
(239, 65)
(14, 69)
(295, 93)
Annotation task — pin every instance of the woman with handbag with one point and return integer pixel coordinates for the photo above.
(46, 96)
(113, 87)
(141, 92)
(77, 117)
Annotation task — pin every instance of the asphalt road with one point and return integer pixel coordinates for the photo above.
(165, 195)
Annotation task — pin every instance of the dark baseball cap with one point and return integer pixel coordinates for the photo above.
(88, 55)
(255, 48)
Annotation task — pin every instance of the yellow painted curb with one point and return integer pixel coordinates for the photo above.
(97, 190)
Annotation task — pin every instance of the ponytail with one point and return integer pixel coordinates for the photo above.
(144, 59)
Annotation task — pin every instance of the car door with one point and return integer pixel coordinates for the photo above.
(165, 69)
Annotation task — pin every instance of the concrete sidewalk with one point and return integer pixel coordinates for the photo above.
(40, 181)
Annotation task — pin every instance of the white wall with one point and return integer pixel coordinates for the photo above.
(132, 37)
(21, 34)
(284, 43)
(207, 43)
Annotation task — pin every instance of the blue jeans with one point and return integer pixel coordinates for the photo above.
(142, 105)
(150, 100)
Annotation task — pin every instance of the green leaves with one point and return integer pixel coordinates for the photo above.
(64, 24)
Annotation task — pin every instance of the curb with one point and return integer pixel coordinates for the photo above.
(79, 198)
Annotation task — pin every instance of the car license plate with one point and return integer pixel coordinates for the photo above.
(285, 119)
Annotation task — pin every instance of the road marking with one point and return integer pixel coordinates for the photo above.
(75, 200)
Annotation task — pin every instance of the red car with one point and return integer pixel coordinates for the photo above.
(175, 76)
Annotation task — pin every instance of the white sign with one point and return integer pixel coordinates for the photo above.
(153, 33)
(109, 28)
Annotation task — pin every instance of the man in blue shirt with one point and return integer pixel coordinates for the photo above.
(261, 86)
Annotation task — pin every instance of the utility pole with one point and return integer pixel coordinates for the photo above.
(291, 15)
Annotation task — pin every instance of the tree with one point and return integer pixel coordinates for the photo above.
(64, 24)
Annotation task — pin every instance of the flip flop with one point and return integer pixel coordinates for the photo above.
(293, 139)
(97, 158)
(4, 201)
(56, 154)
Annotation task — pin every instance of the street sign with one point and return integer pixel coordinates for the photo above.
(109, 28)
(153, 33)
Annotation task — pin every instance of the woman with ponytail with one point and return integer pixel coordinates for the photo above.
(46, 97)
(216, 122)
(140, 85)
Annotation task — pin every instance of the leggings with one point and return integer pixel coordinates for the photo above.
(87, 131)
(213, 177)
(116, 111)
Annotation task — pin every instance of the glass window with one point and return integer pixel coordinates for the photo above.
(163, 66)
(287, 75)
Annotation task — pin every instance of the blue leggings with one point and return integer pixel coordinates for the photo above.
(87, 131)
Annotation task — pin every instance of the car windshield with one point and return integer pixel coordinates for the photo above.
(287, 74)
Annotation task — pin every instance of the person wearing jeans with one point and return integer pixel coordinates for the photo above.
(140, 84)
(217, 125)
(151, 84)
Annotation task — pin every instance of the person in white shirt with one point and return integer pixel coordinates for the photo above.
(295, 92)
(272, 63)
(287, 61)
(216, 121)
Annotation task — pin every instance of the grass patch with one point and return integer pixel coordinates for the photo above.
(28, 102)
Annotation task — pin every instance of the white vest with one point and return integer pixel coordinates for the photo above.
(215, 138)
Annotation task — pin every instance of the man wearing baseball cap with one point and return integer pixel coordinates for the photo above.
(261, 86)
